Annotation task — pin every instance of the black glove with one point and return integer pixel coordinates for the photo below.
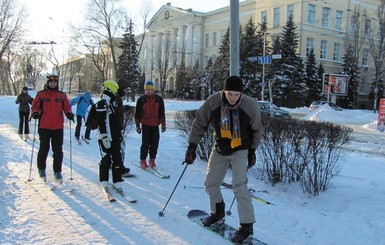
(191, 153)
(251, 158)
(70, 116)
(35, 115)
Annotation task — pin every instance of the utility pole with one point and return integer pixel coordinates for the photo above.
(234, 37)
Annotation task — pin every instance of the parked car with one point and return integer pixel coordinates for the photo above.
(317, 104)
(269, 109)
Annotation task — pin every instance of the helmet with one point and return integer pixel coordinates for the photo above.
(52, 76)
(111, 85)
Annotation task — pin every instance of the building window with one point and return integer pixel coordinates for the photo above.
(277, 16)
(323, 49)
(367, 29)
(362, 87)
(311, 14)
(336, 51)
(214, 39)
(207, 40)
(290, 10)
(309, 45)
(325, 17)
(222, 34)
(365, 55)
(353, 25)
(263, 16)
(338, 20)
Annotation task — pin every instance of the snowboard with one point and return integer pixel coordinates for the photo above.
(222, 229)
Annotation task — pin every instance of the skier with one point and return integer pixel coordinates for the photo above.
(237, 123)
(24, 100)
(48, 106)
(110, 136)
(149, 115)
(122, 110)
(82, 101)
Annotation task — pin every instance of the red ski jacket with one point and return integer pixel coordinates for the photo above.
(51, 104)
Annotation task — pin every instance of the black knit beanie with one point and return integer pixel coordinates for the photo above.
(233, 83)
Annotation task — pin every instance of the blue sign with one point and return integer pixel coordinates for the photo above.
(264, 59)
(252, 59)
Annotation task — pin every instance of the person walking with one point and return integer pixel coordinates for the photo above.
(110, 136)
(237, 124)
(82, 102)
(48, 107)
(24, 100)
(149, 114)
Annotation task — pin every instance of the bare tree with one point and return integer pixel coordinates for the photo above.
(377, 50)
(11, 29)
(145, 10)
(103, 23)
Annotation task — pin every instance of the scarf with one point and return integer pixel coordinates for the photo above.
(226, 132)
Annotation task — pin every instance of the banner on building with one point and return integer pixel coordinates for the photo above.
(381, 116)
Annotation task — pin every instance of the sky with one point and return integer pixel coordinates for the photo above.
(351, 211)
(49, 19)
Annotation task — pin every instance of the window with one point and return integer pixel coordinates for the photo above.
(336, 51)
(214, 39)
(353, 25)
(365, 55)
(290, 10)
(311, 14)
(325, 17)
(362, 87)
(277, 16)
(338, 20)
(309, 45)
(263, 16)
(207, 40)
(367, 28)
(323, 49)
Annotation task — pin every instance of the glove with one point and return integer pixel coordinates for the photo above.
(190, 153)
(106, 141)
(35, 115)
(70, 116)
(138, 130)
(251, 158)
(163, 126)
(127, 107)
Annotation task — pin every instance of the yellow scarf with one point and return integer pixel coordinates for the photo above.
(226, 132)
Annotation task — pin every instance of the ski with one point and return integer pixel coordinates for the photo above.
(79, 142)
(86, 140)
(154, 172)
(125, 196)
(108, 194)
(65, 186)
(128, 175)
(251, 191)
(48, 184)
(220, 228)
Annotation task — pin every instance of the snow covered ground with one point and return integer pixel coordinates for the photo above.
(351, 211)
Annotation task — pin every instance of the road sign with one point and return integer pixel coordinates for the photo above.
(252, 59)
(276, 56)
(264, 59)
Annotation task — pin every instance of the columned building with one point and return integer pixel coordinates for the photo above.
(186, 37)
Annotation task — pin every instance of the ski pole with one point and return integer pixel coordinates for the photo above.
(33, 147)
(70, 152)
(229, 211)
(161, 213)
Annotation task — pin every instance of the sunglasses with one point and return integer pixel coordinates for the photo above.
(53, 78)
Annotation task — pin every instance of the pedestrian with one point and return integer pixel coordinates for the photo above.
(110, 136)
(48, 107)
(24, 100)
(83, 102)
(122, 110)
(237, 125)
(149, 114)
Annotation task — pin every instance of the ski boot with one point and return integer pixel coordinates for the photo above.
(152, 163)
(143, 164)
(42, 174)
(242, 233)
(213, 218)
(58, 177)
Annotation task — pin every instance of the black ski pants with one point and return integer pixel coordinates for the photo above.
(55, 137)
(112, 158)
(78, 128)
(23, 122)
(150, 141)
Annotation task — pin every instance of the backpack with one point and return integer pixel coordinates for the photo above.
(95, 114)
